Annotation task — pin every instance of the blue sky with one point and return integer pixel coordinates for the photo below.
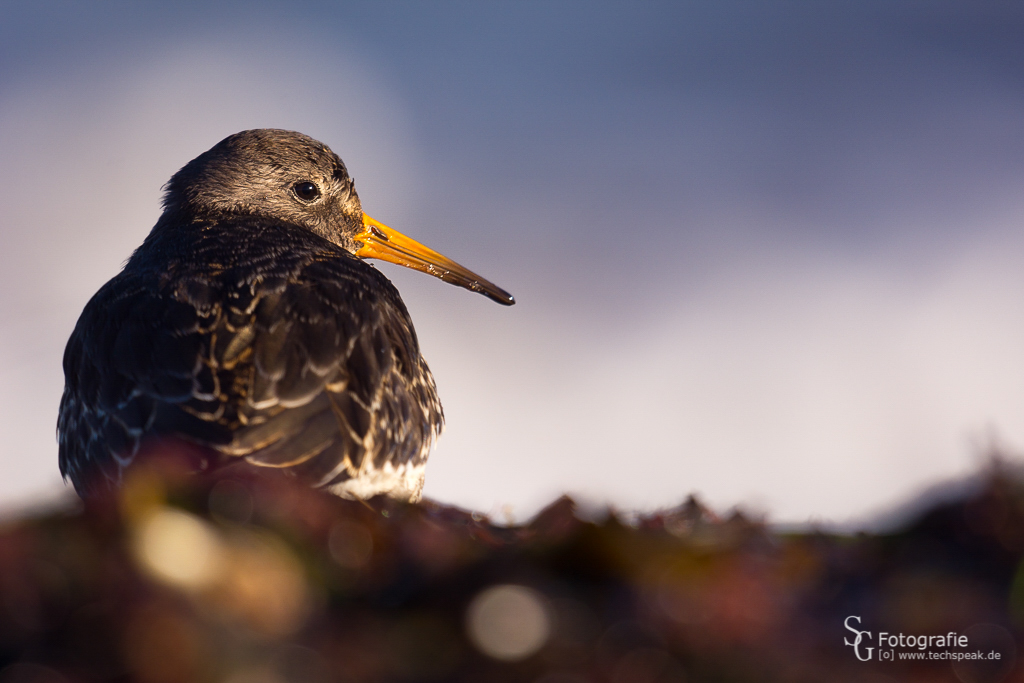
(771, 253)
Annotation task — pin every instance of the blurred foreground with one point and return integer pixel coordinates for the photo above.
(239, 579)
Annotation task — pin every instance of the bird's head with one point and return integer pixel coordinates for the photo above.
(293, 178)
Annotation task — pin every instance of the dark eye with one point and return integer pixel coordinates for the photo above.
(306, 191)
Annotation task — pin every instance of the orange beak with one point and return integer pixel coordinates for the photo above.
(379, 241)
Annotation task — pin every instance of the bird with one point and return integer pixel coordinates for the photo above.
(248, 328)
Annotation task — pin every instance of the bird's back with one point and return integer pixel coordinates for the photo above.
(250, 339)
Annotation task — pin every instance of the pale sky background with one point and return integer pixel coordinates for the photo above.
(769, 253)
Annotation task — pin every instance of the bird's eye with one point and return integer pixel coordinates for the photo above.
(306, 191)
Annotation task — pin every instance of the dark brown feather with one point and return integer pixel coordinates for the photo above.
(307, 362)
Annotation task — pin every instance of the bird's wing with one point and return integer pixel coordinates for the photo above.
(133, 354)
(335, 382)
(317, 372)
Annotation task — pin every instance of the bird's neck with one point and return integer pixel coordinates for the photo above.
(227, 240)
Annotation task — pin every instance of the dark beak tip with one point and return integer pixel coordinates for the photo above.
(502, 297)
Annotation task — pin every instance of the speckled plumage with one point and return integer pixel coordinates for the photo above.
(245, 325)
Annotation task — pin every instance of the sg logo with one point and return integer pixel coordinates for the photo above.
(857, 641)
